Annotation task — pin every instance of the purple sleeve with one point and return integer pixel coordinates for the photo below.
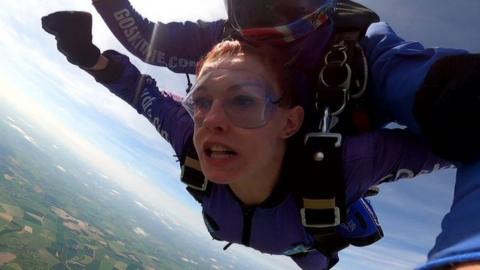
(383, 156)
(162, 109)
(177, 46)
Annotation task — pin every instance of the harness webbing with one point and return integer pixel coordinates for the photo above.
(192, 175)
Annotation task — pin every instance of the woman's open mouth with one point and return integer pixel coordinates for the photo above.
(219, 151)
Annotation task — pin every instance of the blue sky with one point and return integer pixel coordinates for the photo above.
(38, 83)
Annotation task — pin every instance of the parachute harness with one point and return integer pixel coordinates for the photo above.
(341, 79)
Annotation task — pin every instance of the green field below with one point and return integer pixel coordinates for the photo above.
(12, 210)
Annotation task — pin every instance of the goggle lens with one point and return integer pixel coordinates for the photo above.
(246, 104)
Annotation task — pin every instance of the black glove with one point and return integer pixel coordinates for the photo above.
(447, 107)
(73, 31)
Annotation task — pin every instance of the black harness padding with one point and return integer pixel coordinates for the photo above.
(192, 175)
(350, 16)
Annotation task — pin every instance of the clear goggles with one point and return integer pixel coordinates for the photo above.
(245, 14)
(247, 99)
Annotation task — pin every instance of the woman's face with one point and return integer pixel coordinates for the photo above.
(239, 132)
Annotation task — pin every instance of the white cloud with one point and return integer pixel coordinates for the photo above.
(61, 168)
(10, 119)
(24, 134)
(189, 260)
(141, 205)
(140, 231)
(103, 176)
(164, 222)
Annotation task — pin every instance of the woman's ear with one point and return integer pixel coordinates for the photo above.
(293, 121)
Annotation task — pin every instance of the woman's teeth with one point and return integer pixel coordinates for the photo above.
(219, 151)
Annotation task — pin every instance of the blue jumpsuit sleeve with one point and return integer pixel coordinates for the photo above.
(459, 240)
(397, 70)
(177, 46)
(385, 155)
(162, 109)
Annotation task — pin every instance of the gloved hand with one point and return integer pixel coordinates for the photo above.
(447, 107)
(362, 227)
(73, 32)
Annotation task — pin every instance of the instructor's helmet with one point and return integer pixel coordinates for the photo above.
(277, 21)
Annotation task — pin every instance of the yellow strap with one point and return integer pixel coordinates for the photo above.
(192, 163)
(319, 203)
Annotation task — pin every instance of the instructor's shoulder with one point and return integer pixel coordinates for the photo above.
(379, 29)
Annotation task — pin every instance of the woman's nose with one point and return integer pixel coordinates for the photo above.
(215, 118)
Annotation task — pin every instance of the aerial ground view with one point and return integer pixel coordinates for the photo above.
(57, 213)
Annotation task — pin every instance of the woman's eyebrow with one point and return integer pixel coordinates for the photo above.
(238, 86)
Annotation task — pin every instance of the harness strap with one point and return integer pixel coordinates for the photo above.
(192, 176)
(341, 78)
(323, 193)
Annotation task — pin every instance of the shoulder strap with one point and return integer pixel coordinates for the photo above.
(323, 191)
(323, 203)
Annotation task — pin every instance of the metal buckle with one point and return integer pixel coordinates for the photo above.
(326, 225)
(363, 87)
(344, 86)
(337, 136)
(338, 48)
(203, 187)
(325, 126)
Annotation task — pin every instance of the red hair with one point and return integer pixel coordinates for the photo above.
(272, 60)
